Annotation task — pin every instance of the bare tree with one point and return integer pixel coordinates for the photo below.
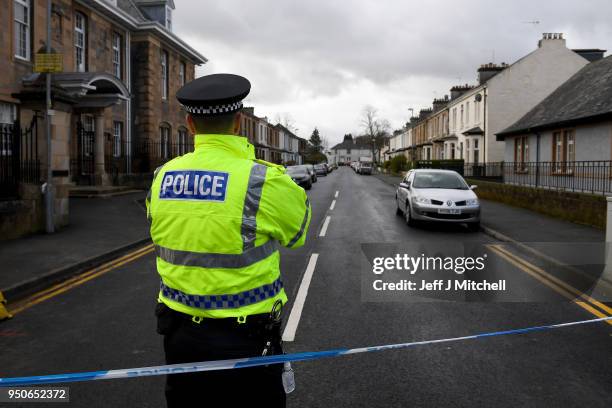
(375, 130)
(286, 120)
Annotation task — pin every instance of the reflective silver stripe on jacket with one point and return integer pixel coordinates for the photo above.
(229, 301)
(299, 234)
(248, 229)
(214, 260)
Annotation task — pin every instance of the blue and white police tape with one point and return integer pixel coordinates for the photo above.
(258, 361)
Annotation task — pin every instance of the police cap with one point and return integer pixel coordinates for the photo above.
(214, 94)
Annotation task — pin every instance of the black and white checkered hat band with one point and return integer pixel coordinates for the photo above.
(211, 110)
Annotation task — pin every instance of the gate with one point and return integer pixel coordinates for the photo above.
(83, 165)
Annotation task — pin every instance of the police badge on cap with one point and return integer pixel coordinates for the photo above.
(214, 94)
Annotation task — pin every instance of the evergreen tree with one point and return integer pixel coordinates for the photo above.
(315, 140)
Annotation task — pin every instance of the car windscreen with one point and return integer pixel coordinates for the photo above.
(297, 171)
(439, 180)
(366, 164)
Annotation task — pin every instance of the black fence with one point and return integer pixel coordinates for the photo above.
(19, 161)
(578, 176)
(140, 157)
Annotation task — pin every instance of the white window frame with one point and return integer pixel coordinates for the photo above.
(182, 141)
(164, 139)
(164, 74)
(117, 42)
(182, 71)
(80, 42)
(18, 25)
(117, 135)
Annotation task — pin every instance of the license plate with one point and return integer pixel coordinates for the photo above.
(448, 211)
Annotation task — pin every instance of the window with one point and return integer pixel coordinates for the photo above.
(461, 150)
(521, 153)
(452, 151)
(461, 116)
(182, 141)
(22, 28)
(8, 115)
(454, 119)
(169, 18)
(477, 111)
(564, 150)
(467, 113)
(117, 133)
(117, 55)
(80, 42)
(164, 74)
(164, 142)
(182, 73)
(476, 152)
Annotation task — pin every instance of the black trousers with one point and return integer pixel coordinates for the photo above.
(186, 341)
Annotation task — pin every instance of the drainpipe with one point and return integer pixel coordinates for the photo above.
(484, 126)
(50, 225)
(128, 105)
(537, 179)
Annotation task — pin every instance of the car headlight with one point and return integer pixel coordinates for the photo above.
(422, 200)
(472, 201)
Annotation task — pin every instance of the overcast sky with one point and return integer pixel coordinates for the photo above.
(322, 61)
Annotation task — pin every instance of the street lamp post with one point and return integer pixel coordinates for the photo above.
(49, 189)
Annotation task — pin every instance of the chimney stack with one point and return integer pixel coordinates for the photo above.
(458, 90)
(551, 39)
(488, 71)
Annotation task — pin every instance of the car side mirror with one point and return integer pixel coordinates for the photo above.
(473, 187)
(405, 185)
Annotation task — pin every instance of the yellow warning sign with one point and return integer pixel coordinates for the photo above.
(48, 62)
(4, 314)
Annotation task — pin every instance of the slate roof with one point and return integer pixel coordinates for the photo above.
(130, 8)
(350, 144)
(585, 97)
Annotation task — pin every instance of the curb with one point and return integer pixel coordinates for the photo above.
(22, 289)
(525, 248)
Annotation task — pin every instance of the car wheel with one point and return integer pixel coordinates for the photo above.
(398, 210)
(408, 217)
(474, 226)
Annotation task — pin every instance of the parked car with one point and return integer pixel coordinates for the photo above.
(311, 171)
(320, 169)
(301, 176)
(364, 167)
(437, 195)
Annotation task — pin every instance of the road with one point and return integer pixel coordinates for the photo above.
(107, 322)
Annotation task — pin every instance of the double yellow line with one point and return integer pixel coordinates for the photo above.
(79, 279)
(586, 302)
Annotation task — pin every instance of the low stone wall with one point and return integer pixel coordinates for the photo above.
(580, 208)
(26, 215)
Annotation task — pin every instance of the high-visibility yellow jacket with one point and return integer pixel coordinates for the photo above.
(217, 216)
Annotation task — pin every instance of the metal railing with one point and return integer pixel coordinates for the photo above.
(19, 161)
(141, 156)
(593, 176)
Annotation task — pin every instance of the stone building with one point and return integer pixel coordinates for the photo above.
(113, 105)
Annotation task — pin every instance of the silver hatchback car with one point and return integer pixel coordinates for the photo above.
(437, 195)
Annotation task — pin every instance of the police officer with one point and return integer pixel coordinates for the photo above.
(217, 218)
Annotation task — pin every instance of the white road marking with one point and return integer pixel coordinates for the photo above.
(333, 204)
(300, 299)
(336, 195)
(325, 225)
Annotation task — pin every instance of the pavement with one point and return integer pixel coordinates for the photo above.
(108, 322)
(96, 233)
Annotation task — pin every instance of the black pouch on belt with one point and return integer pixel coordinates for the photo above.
(167, 320)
